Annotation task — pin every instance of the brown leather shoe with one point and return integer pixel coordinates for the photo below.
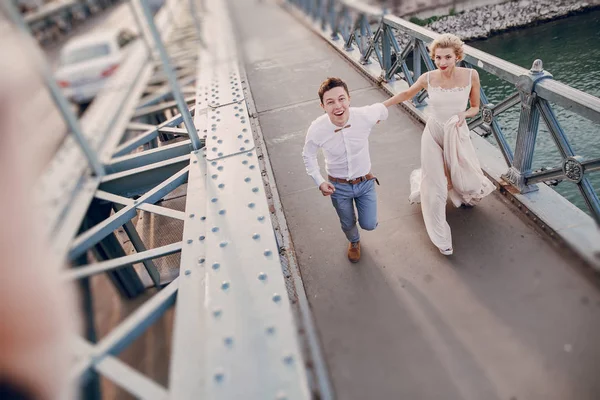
(354, 251)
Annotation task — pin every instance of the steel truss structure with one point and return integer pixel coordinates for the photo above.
(175, 118)
(391, 48)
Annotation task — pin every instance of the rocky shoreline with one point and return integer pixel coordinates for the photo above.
(483, 22)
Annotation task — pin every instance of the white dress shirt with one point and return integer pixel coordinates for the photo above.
(346, 151)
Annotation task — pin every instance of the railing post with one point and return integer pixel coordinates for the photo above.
(55, 92)
(181, 104)
(416, 61)
(528, 128)
(386, 46)
(333, 20)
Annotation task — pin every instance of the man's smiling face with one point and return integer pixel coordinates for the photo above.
(336, 103)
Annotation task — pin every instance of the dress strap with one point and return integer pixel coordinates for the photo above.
(470, 74)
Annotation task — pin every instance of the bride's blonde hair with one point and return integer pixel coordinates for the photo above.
(447, 41)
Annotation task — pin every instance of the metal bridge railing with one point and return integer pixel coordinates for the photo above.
(376, 36)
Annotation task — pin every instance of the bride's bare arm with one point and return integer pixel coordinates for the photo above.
(409, 93)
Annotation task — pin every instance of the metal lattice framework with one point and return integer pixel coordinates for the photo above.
(386, 46)
(175, 118)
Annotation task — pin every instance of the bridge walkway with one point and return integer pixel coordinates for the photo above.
(506, 317)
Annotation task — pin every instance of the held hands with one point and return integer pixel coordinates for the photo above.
(326, 188)
(461, 119)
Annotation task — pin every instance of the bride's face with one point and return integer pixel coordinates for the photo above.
(445, 59)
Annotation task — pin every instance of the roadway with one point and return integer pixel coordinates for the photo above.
(506, 317)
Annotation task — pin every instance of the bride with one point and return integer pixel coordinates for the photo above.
(449, 165)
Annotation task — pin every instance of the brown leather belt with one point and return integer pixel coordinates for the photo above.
(354, 181)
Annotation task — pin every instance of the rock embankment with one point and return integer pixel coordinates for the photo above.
(482, 22)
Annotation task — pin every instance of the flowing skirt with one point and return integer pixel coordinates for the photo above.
(449, 168)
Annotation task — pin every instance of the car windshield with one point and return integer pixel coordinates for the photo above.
(85, 53)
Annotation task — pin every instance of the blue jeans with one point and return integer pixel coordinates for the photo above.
(365, 196)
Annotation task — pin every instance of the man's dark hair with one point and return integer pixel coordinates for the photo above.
(331, 83)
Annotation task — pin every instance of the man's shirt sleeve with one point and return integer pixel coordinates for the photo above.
(309, 154)
(376, 112)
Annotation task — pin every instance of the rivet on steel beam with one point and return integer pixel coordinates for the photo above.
(270, 330)
(221, 185)
(261, 218)
(252, 167)
(256, 236)
(216, 266)
(249, 154)
(192, 215)
(240, 136)
(245, 162)
(217, 313)
(201, 238)
(225, 285)
(214, 199)
(195, 161)
(214, 137)
(228, 341)
(221, 212)
(187, 272)
(203, 218)
(215, 229)
(289, 359)
(251, 205)
(223, 244)
(214, 163)
(244, 130)
(214, 149)
(242, 148)
(247, 141)
(201, 261)
(220, 168)
(247, 179)
(255, 189)
(262, 276)
(220, 154)
(190, 241)
(219, 376)
(267, 253)
(219, 141)
(276, 298)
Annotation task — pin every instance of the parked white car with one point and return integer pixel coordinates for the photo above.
(87, 62)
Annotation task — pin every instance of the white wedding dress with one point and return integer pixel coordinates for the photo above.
(449, 164)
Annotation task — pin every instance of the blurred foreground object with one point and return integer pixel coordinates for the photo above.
(36, 309)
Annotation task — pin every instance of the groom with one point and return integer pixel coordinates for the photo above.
(343, 135)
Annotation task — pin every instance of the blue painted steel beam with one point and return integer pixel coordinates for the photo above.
(105, 266)
(140, 247)
(132, 327)
(152, 208)
(135, 182)
(92, 236)
(137, 160)
(181, 105)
